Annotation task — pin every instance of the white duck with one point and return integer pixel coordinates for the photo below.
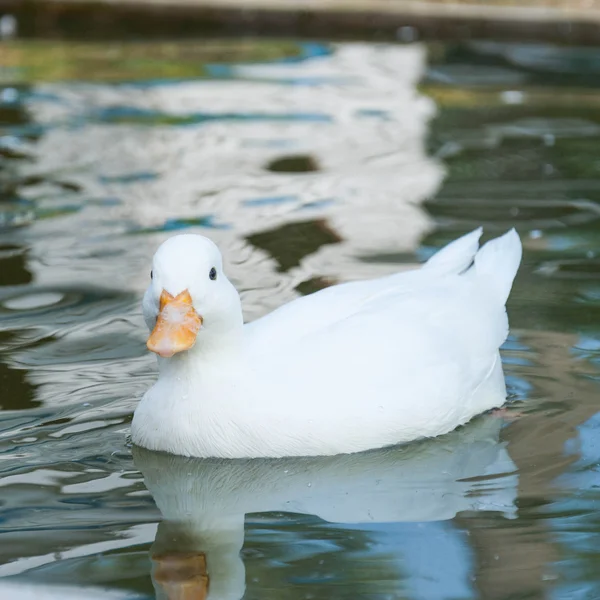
(356, 366)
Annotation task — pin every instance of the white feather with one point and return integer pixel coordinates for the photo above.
(497, 262)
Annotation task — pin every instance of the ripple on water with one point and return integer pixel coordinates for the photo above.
(33, 301)
(89, 346)
(44, 306)
(233, 140)
(13, 266)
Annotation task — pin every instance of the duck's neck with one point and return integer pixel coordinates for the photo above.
(212, 353)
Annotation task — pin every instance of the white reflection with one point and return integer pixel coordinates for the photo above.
(204, 502)
(24, 591)
(356, 112)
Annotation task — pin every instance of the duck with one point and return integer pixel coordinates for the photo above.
(353, 367)
(205, 503)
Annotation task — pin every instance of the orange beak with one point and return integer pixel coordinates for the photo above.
(176, 327)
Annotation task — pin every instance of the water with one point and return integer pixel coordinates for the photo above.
(309, 164)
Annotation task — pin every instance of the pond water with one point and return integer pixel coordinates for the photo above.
(309, 164)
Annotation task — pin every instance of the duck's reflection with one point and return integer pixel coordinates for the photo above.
(181, 576)
(196, 553)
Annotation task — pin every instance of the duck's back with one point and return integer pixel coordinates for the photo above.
(397, 362)
(313, 313)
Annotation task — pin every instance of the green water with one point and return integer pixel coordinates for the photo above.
(308, 164)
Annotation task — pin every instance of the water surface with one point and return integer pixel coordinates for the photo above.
(309, 164)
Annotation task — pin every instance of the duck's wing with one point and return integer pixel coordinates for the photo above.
(406, 365)
(317, 311)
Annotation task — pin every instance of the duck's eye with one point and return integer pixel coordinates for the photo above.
(213, 274)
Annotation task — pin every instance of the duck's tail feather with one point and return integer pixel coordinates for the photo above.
(458, 255)
(497, 263)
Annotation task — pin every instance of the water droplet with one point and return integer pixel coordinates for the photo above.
(87, 404)
(496, 557)
(535, 234)
(286, 471)
(309, 484)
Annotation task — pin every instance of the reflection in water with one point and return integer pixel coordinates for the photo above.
(291, 243)
(320, 164)
(17, 392)
(13, 266)
(354, 111)
(204, 503)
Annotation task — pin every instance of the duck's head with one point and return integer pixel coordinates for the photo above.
(189, 302)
